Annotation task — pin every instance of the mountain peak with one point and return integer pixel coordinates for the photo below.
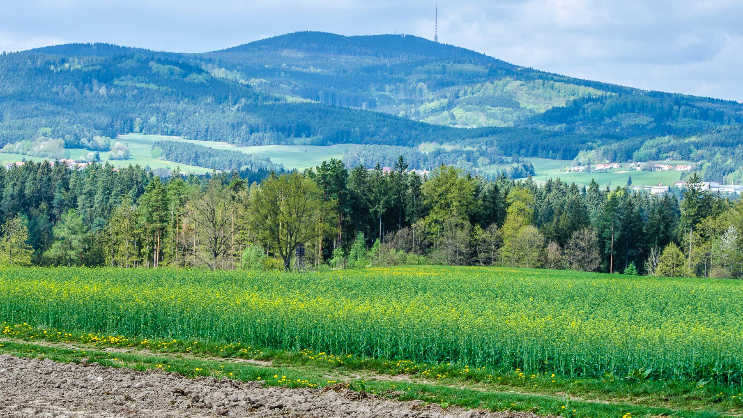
(380, 46)
(97, 49)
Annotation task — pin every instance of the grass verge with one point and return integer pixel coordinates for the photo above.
(445, 384)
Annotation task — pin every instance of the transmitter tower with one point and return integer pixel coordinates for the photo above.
(436, 27)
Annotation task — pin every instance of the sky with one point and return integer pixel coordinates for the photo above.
(681, 46)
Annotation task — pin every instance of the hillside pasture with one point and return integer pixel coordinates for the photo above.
(291, 157)
(553, 169)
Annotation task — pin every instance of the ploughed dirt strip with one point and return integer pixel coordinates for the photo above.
(44, 388)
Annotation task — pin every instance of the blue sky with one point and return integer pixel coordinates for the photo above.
(686, 46)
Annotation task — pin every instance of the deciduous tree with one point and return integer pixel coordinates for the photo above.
(14, 248)
(285, 211)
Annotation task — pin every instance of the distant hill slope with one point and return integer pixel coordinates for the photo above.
(320, 88)
(448, 85)
(88, 50)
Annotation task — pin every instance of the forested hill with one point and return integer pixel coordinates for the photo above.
(446, 85)
(393, 72)
(77, 92)
(319, 88)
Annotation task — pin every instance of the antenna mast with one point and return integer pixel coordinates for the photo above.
(436, 32)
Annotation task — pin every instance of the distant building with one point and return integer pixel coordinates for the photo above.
(683, 167)
(663, 167)
(715, 187)
(16, 164)
(608, 166)
(654, 190)
(389, 170)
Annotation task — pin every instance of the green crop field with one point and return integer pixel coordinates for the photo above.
(535, 321)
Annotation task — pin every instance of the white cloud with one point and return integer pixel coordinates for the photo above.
(10, 42)
(683, 46)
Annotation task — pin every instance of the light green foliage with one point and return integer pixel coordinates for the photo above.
(338, 260)
(727, 254)
(213, 215)
(525, 249)
(450, 194)
(287, 211)
(517, 242)
(357, 255)
(121, 152)
(157, 152)
(374, 251)
(41, 147)
(254, 258)
(631, 269)
(14, 248)
(500, 102)
(520, 211)
(97, 143)
(671, 263)
(568, 323)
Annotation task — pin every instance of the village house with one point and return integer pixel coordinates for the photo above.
(421, 173)
(579, 169)
(608, 166)
(16, 164)
(653, 190)
(716, 187)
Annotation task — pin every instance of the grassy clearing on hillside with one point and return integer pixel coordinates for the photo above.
(290, 156)
(6, 158)
(141, 153)
(552, 169)
(301, 157)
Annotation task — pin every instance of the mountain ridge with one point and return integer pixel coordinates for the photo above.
(108, 49)
(319, 88)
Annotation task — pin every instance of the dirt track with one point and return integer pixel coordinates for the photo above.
(43, 388)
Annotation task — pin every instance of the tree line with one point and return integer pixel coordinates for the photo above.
(333, 216)
(216, 159)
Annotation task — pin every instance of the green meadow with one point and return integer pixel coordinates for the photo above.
(552, 169)
(291, 157)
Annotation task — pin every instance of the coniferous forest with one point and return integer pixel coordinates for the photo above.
(346, 218)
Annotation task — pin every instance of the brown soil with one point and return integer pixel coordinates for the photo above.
(44, 388)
